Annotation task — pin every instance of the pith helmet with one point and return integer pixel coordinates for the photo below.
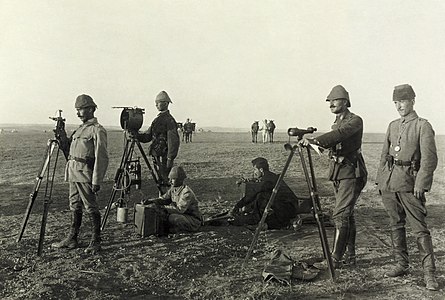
(339, 92)
(177, 173)
(163, 96)
(403, 92)
(83, 101)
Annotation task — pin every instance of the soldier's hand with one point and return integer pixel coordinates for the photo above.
(419, 194)
(95, 188)
(132, 134)
(304, 142)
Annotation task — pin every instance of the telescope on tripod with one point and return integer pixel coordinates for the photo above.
(313, 192)
(59, 143)
(129, 171)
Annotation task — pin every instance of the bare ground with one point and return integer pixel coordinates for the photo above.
(205, 265)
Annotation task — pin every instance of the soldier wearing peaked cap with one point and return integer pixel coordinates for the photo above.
(164, 137)
(347, 171)
(405, 174)
(85, 170)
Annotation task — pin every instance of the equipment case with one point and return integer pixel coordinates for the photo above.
(149, 220)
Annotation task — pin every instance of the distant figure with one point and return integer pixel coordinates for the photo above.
(254, 130)
(271, 128)
(188, 128)
(264, 130)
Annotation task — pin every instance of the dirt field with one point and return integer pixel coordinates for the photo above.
(205, 265)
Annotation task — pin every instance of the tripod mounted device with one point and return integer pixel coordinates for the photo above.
(129, 170)
(61, 143)
(313, 191)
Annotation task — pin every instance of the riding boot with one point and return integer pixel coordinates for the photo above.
(70, 242)
(350, 246)
(400, 251)
(425, 246)
(340, 240)
(94, 246)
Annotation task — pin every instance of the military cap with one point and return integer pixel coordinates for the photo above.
(403, 92)
(177, 173)
(163, 96)
(339, 92)
(260, 162)
(83, 101)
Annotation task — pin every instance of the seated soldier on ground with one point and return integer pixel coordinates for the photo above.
(180, 203)
(249, 210)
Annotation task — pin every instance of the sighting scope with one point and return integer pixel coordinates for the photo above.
(131, 118)
(300, 132)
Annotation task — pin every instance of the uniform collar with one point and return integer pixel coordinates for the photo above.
(164, 112)
(411, 116)
(90, 122)
(343, 115)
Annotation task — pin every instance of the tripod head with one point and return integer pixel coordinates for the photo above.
(59, 129)
(300, 132)
(131, 118)
(297, 132)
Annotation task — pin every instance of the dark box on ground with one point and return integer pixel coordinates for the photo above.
(148, 221)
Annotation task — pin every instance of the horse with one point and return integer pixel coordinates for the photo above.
(254, 130)
(271, 128)
(265, 131)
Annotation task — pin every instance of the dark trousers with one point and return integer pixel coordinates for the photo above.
(402, 207)
(81, 195)
(347, 192)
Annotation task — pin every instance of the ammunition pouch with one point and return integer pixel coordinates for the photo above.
(89, 161)
(159, 147)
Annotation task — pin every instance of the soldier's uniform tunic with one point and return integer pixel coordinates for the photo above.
(408, 160)
(184, 214)
(348, 172)
(164, 137)
(347, 167)
(87, 165)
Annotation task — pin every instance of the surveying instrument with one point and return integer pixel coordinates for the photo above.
(313, 192)
(59, 143)
(129, 170)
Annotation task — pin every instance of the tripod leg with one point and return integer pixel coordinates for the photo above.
(33, 195)
(154, 175)
(129, 146)
(46, 202)
(311, 183)
(268, 206)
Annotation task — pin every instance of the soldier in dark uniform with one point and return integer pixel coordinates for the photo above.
(405, 173)
(85, 170)
(164, 137)
(347, 171)
(257, 195)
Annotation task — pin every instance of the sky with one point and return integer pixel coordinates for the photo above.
(223, 63)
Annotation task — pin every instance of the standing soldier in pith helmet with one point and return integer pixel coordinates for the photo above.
(85, 171)
(347, 171)
(164, 137)
(405, 173)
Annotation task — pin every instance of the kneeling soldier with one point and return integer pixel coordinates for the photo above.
(181, 204)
